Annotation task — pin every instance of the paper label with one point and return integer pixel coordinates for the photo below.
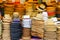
(27, 23)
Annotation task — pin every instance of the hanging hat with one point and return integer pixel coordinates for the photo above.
(41, 7)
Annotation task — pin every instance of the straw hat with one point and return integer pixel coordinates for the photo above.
(15, 14)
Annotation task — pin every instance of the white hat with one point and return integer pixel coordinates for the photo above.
(26, 16)
(45, 14)
(7, 16)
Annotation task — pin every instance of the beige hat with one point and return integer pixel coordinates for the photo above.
(7, 16)
(16, 14)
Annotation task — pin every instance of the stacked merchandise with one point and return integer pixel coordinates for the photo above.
(58, 10)
(0, 27)
(50, 2)
(26, 28)
(50, 36)
(1, 15)
(50, 30)
(29, 9)
(38, 25)
(58, 30)
(16, 27)
(1, 8)
(58, 34)
(20, 8)
(50, 26)
(6, 27)
(51, 11)
(33, 12)
(20, 1)
(9, 8)
(9, 1)
(37, 28)
(41, 9)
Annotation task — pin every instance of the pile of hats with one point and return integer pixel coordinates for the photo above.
(37, 28)
(29, 9)
(50, 30)
(58, 10)
(0, 26)
(58, 30)
(9, 8)
(50, 36)
(9, 1)
(20, 8)
(51, 11)
(58, 34)
(26, 28)
(50, 2)
(26, 34)
(16, 27)
(6, 27)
